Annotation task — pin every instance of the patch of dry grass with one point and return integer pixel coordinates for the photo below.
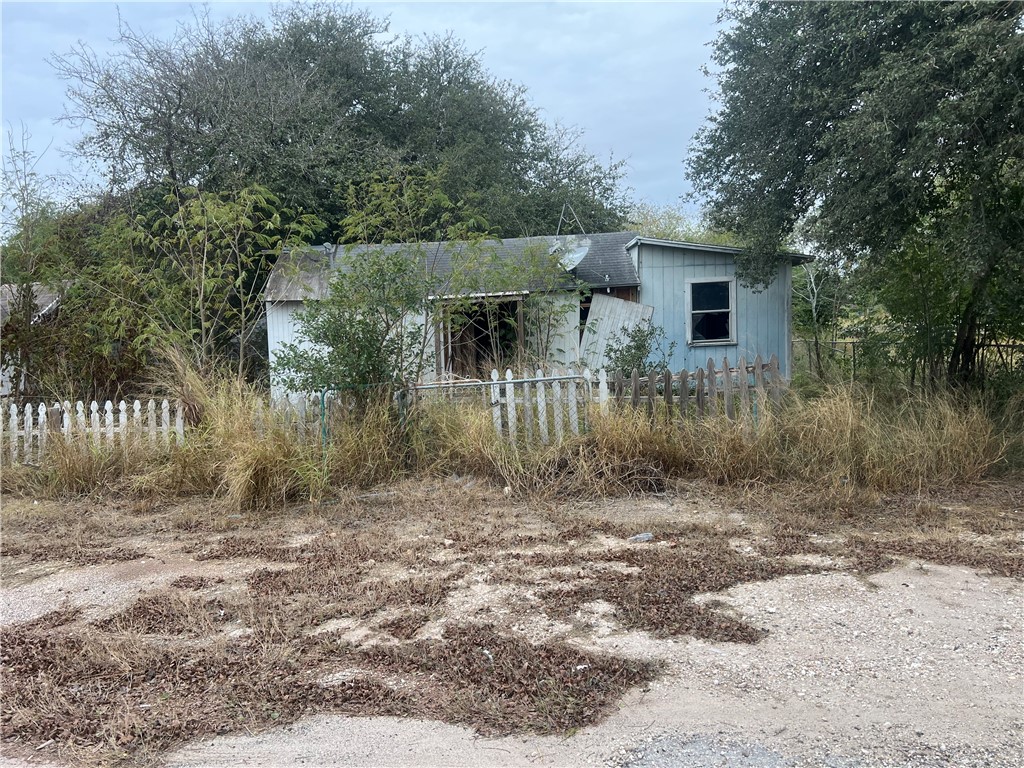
(170, 613)
(111, 699)
(500, 684)
(656, 594)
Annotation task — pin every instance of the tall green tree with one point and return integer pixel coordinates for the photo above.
(29, 261)
(369, 334)
(883, 128)
(210, 255)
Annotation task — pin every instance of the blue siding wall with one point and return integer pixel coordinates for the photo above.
(762, 319)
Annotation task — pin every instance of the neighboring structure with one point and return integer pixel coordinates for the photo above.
(688, 288)
(46, 302)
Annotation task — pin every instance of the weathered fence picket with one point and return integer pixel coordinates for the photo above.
(510, 404)
(743, 387)
(730, 412)
(740, 393)
(542, 410)
(550, 407)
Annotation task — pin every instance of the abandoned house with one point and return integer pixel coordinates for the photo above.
(608, 283)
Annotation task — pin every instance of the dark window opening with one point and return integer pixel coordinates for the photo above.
(710, 312)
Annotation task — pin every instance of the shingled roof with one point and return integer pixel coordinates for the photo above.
(46, 300)
(305, 273)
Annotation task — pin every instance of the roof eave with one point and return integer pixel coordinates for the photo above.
(796, 258)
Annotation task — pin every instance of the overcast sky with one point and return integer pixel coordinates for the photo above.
(628, 74)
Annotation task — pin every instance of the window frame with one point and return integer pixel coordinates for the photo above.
(731, 281)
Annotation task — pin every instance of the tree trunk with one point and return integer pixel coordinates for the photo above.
(961, 369)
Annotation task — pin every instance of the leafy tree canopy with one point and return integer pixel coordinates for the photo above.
(317, 98)
(887, 130)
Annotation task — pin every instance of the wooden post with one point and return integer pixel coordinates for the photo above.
(496, 402)
(602, 390)
(588, 398)
(13, 429)
(730, 412)
(55, 418)
(122, 420)
(151, 421)
(700, 393)
(66, 424)
(108, 422)
(94, 422)
(542, 411)
(557, 409)
(527, 407)
(136, 418)
(27, 433)
(574, 414)
(667, 381)
(652, 393)
(712, 401)
(179, 424)
(684, 393)
(759, 398)
(80, 420)
(620, 386)
(165, 418)
(44, 427)
(510, 404)
(634, 392)
(775, 381)
(744, 389)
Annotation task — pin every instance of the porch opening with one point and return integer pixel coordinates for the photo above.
(480, 334)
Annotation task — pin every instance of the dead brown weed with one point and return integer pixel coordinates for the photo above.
(501, 684)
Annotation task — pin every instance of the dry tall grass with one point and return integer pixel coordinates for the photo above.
(252, 456)
(843, 439)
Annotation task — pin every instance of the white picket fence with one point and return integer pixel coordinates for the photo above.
(532, 406)
(26, 429)
(540, 406)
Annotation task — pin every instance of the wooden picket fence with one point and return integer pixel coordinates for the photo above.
(536, 406)
(27, 428)
(740, 392)
(550, 406)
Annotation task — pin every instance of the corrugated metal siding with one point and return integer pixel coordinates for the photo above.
(762, 319)
(280, 330)
(565, 341)
(608, 317)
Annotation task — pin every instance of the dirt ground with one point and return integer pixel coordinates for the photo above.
(443, 624)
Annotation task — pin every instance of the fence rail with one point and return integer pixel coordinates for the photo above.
(27, 429)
